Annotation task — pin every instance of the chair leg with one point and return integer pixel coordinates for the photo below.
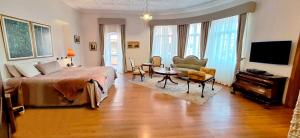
(213, 84)
(203, 85)
(142, 76)
(133, 77)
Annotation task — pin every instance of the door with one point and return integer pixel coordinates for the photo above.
(294, 85)
(4, 117)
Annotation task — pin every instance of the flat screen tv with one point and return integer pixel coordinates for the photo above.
(272, 52)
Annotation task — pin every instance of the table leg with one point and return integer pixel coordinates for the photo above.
(188, 84)
(169, 78)
(165, 83)
(213, 84)
(150, 71)
(164, 78)
(203, 86)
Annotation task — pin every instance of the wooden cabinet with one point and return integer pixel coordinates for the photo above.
(268, 89)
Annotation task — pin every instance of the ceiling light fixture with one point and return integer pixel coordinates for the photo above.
(146, 16)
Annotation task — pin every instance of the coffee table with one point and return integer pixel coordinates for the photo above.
(167, 75)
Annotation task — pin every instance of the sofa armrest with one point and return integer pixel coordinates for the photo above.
(196, 75)
(210, 71)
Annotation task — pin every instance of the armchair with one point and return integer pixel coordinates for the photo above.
(156, 61)
(201, 77)
(136, 70)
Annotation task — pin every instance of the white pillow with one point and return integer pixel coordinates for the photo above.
(49, 67)
(27, 70)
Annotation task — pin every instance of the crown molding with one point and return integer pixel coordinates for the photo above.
(183, 12)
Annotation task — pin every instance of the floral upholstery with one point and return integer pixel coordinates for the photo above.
(156, 61)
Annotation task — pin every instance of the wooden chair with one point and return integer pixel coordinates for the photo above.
(136, 70)
(203, 76)
(156, 61)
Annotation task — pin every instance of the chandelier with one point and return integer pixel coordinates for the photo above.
(147, 16)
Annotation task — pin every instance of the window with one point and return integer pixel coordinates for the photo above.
(113, 37)
(193, 44)
(112, 47)
(165, 43)
(221, 48)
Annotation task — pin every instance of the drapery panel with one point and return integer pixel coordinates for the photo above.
(204, 35)
(241, 31)
(101, 44)
(165, 41)
(194, 41)
(123, 43)
(221, 48)
(151, 39)
(182, 38)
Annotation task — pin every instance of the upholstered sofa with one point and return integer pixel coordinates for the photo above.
(190, 63)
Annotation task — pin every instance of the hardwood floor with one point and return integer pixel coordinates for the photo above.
(133, 111)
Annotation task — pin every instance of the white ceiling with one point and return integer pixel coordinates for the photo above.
(139, 5)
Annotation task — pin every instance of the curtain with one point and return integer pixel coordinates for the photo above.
(165, 41)
(203, 40)
(113, 54)
(151, 39)
(182, 38)
(123, 43)
(221, 48)
(241, 30)
(101, 44)
(193, 44)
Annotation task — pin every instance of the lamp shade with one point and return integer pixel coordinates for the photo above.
(70, 52)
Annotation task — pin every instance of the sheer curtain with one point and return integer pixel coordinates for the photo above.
(165, 41)
(193, 45)
(221, 48)
(113, 47)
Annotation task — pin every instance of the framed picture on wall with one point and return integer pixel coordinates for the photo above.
(43, 40)
(133, 44)
(17, 38)
(77, 39)
(93, 46)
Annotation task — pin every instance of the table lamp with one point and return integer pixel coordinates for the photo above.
(71, 54)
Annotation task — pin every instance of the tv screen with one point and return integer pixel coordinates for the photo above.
(273, 52)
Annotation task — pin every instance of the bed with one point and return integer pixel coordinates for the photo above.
(69, 86)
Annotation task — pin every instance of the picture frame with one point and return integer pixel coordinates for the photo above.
(76, 39)
(42, 40)
(133, 44)
(93, 46)
(18, 39)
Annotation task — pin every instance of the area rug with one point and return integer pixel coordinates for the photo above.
(179, 90)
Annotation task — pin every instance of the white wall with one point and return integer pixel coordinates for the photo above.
(273, 20)
(63, 20)
(136, 30)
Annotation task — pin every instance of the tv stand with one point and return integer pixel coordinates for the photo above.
(268, 89)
